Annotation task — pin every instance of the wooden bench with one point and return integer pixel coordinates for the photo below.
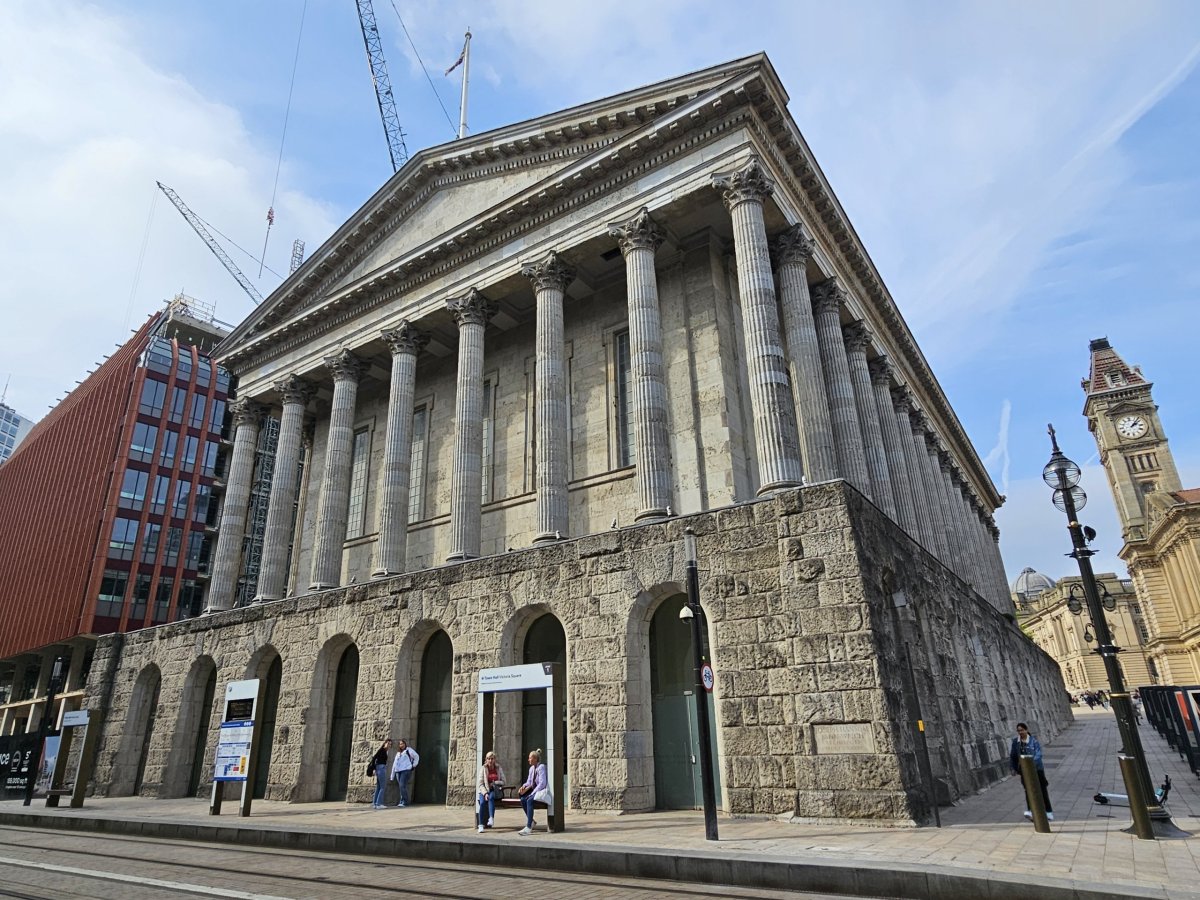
(510, 800)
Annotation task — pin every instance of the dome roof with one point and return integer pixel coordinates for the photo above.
(1030, 583)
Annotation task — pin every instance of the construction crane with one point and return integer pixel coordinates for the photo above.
(198, 226)
(383, 85)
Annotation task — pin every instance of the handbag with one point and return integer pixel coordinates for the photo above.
(371, 769)
(544, 796)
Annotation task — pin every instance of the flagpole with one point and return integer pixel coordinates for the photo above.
(462, 105)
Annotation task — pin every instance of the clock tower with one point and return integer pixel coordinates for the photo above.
(1133, 446)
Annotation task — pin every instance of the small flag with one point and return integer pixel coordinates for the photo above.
(271, 215)
(458, 62)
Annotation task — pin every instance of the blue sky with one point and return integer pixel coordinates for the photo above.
(1024, 175)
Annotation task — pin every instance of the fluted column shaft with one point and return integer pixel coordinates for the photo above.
(472, 313)
(550, 278)
(897, 460)
(857, 338)
(843, 412)
(982, 569)
(953, 558)
(933, 503)
(775, 437)
(920, 495)
(272, 575)
(1005, 598)
(639, 238)
(405, 342)
(334, 504)
(247, 416)
(793, 250)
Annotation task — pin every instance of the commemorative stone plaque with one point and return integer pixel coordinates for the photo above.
(852, 737)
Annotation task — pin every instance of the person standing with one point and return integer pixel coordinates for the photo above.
(1025, 744)
(402, 768)
(534, 790)
(487, 784)
(379, 767)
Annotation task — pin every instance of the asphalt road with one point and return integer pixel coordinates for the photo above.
(47, 864)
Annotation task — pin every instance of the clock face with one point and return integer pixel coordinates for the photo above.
(1132, 426)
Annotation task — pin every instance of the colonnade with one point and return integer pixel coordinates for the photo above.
(821, 408)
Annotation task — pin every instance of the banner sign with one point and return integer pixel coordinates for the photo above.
(233, 751)
(516, 678)
(16, 756)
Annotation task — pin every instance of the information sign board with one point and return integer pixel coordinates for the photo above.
(233, 751)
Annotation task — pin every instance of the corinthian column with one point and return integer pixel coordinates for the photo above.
(639, 238)
(926, 447)
(775, 436)
(272, 576)
(334, 505)
(405, 341)
(897, 461)
(906, 428)
(843, 413)
(857, 338)
(472, 313)
(246, 418)
(550, 278)
(792, 252)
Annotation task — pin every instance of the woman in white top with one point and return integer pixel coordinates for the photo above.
(488, 784)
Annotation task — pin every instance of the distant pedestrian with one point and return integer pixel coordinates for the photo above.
(403, 766)
(1025, 744)
(379, 768)
(1137, 706)
(1090, 698)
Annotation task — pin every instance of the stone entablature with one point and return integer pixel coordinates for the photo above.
(811, 597)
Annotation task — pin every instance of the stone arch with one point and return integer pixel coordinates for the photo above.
(425, 729)
(266, 664)
(189, 741)
(129, 768)
(318, 718)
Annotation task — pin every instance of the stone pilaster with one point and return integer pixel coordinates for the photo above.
(272, 576)
(472, 312)
(405, 341)
(897, 461)
(550, 278)
(639, 238)
(843, 413)
(793, 249)
(247, 418)
(333, 507)
(858, 338)
(775, 436)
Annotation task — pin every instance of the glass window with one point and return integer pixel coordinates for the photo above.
(203, 372)
(166, 454)
(209, 465)
(360, 459)
(150, 536)
(153, 394)
(416, 471)
(183, 490)
(162, 597)
(222, 380)
(158, 356)
(171, 550)
(187, 462)
(216, 421)
(192, 559)
(158, 500)
(624, 404)
(196, 420)
(200, 507)
(489, 435)
(141, 599)
(112, 592)
(133, 489)
(124, 538)
(190, 595)
(178, 404)
(145, 438)
(184, 369)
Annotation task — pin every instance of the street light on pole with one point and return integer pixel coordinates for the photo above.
(700, 690)
(1150, 819)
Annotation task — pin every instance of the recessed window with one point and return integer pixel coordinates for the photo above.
(199, 403)
(171, 550)
(150, 536)
(133, 489)
(183, 490)
(162, 597)
(623, 405)
(124, 538)
(360, 462)
(166, 454)
(489, 440)
(141, 599)
(209, 464)
(416, 470)
(112, 593)
(162, 492)
(191, 445)
(216, 421)
(153, 394)
(178, 404)
(145, 439)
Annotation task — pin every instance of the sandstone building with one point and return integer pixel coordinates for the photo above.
(518, 373)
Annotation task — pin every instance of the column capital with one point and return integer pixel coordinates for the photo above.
(880, 369)
(640, 232)
(749, 183)
(294, 389)
(345, 366)
(550, 273)
(404, 338)
(828, 295)
(793, 247)
(857, 336)
(246, 411)
(471, 309)
(902, 398)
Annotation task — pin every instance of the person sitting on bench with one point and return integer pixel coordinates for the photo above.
(488, 784)
(534, 790)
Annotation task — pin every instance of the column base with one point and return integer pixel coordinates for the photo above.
(775, 486)
(650, 515)
(385, 573)
(549, 536)
(461, 557)
(321, 586)
(210, 610)
(263, 598)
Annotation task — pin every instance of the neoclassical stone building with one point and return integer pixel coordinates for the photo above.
(505, 387)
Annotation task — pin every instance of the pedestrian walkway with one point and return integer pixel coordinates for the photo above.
(985, 836)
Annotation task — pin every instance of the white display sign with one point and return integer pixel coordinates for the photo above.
(77, 717)
(233, 751)
(515, 678)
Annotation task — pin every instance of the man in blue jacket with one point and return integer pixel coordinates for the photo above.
(1025, 744)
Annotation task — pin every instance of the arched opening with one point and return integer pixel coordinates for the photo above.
(266, 742)
(130, 771)
(545, 641)
(207, 691)
(341, 726)
(184, 763)
(677, 782)
(433, 720)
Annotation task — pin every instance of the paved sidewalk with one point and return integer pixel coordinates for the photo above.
(984, 837)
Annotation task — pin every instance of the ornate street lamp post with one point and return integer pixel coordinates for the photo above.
(1150, 819)
(694, 613)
